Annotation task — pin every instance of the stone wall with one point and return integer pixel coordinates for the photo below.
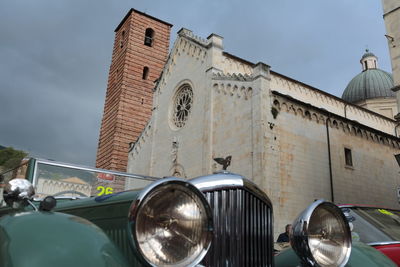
(384, 106)
(298, 161)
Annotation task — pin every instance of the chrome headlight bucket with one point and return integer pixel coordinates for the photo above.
(321, 235)
(171, 224)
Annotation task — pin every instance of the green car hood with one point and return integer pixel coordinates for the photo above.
(47, 239)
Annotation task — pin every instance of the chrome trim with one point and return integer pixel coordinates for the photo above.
(85, 168)
(383, 243)
(299, 234)
(225, 180)
(243, 221)
(21, 188)
(38, 199)
(18, 192)
(136, 205)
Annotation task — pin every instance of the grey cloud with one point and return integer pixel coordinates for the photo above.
(55, 56)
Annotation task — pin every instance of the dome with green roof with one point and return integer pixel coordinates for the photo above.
(370, 83)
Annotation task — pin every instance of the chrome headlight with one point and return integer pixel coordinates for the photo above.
(321, 235)
(18, 192)
(171, 224)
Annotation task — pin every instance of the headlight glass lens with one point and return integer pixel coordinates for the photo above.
(328, 236)
(172, 226)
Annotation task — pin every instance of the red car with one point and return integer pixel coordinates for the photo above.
(377, 227)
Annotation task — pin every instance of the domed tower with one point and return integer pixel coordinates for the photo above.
(371, 88)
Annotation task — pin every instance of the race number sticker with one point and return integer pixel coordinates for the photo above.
(385, 212)
(104, 190)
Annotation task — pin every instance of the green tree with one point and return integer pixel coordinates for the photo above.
(11, 158)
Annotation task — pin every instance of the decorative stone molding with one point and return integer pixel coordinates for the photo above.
(328, 100)
(306, 111)
(232, 77)
(233, 90)
(189, 35)
(183, 45)
(237, 66)
(177, 169)
(136, 147)
(191, 48)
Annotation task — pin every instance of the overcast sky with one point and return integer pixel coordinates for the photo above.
(55, 56)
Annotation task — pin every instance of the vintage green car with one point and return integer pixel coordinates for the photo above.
(57, 214)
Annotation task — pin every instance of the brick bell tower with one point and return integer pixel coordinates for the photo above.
(140, 51)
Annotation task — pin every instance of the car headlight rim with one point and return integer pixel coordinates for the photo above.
(321, 231)
(191, 193)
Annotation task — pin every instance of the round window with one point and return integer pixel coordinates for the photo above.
(182, 105)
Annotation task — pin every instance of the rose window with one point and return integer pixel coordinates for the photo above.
(182, 106)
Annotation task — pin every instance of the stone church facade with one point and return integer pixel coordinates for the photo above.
(297, 142)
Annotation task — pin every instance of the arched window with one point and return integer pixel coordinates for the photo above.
(182, 106)
(148, 37)
(145, 73)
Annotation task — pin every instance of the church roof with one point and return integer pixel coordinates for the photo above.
(372, 82)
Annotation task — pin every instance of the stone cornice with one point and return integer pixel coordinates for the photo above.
(232, 89)
(229, 55)
(324, 97)
(396, 88)
(137, 145)
(319, 115)
(194, 38)
(232, 77)
(391, 11)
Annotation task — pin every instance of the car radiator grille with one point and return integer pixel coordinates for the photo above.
(242, 229)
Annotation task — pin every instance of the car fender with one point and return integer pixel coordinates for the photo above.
(390, 250)
(30, 239)
(361, 255)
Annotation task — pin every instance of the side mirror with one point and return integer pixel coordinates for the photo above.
(18, 193)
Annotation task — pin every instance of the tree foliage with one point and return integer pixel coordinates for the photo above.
(11, 158)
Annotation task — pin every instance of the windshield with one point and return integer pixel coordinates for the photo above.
(67, 180)
(372, 225)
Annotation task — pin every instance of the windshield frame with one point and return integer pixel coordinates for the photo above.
(84, 168)
(359, 210)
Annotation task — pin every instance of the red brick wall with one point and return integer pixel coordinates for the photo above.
(129, 98)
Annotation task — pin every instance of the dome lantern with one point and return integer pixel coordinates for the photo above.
(369, 61)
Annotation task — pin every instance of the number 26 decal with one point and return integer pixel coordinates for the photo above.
(104, 190)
